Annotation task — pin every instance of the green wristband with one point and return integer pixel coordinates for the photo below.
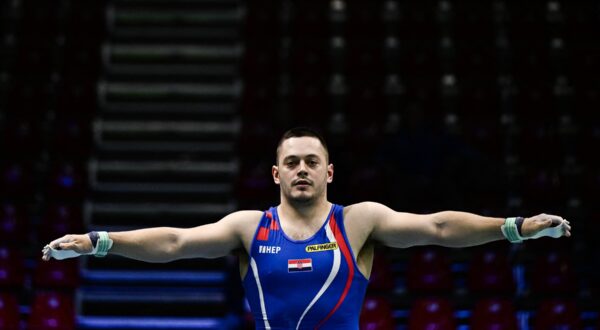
(104, 244)
(510, 230)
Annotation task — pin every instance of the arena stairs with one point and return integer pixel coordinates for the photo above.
(164, 156)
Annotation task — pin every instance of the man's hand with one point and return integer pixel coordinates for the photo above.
(77, 244)
(545, 225)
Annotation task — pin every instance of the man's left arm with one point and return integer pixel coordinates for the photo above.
(458, 229)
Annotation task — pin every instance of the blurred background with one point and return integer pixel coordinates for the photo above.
(125, 114)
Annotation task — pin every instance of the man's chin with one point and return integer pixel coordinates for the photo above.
(302, 199)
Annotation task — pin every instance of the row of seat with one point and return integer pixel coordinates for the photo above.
(48, 310)
(376, 17)
(50, 275)
(49, 63)
(489, 271)
(68, 137)
(418, 57)
(488, 313)
(64, 181)
(18, 224)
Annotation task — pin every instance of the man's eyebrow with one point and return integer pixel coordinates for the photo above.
(296, 156)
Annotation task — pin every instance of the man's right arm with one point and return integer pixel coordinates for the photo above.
(164, 244)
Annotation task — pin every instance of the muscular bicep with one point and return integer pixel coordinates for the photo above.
(400, 229)
(217, 239)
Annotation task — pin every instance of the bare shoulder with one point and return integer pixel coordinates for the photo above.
(365, 211)
(363, 216)
(243, 220)
(244, 224)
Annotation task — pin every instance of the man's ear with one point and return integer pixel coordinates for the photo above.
(275, 173)
(329, 173)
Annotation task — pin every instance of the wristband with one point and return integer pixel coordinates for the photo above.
(104, 244)
(510, 231)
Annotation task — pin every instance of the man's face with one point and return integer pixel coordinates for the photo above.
(302, 171)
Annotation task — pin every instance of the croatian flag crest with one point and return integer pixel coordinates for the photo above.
(299, 265)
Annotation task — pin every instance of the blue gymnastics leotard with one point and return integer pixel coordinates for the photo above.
(304, 284)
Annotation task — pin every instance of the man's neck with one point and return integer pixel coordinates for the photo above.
(305, 212)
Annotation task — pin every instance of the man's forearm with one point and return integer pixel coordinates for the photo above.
(159, 244)
(463, 229)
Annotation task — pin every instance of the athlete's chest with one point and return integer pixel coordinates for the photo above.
(297, 256)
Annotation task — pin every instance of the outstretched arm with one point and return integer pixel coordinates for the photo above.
(451, 228)
(163, 244)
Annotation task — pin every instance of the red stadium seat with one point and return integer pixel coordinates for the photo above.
(553, 274)
(9, 312)
(431, 313)
(51, 310)
(494, 314)
(557, 314)
(12, 270)
(57, 275)
(490, 272)
(377, 314)
(429, 271)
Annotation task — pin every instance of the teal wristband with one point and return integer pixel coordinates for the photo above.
(510, 230)
(104, 244)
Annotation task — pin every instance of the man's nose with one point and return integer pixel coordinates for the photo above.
(302, 168)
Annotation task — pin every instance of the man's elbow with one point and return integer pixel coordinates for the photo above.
(174, 245)
(439, 229)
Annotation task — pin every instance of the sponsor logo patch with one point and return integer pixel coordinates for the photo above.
(299, 265)
(269, 249)
(321, 247)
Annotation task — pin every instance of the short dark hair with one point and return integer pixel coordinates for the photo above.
(301, 132)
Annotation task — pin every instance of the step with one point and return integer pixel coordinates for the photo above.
(184, 215)
(175, 91)
(123, 300)
(119, 264)
(207, 73)
(163, 170)
(144, 294)
(85, 322)
(147, 110)
(172, 53)
(160, 278)
(159, 188)
(165, 150)
(189, 4)
(165, 130)
(214, 35)
(138, 16)
(161, 192)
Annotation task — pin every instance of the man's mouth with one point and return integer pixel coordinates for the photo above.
(302, 183)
